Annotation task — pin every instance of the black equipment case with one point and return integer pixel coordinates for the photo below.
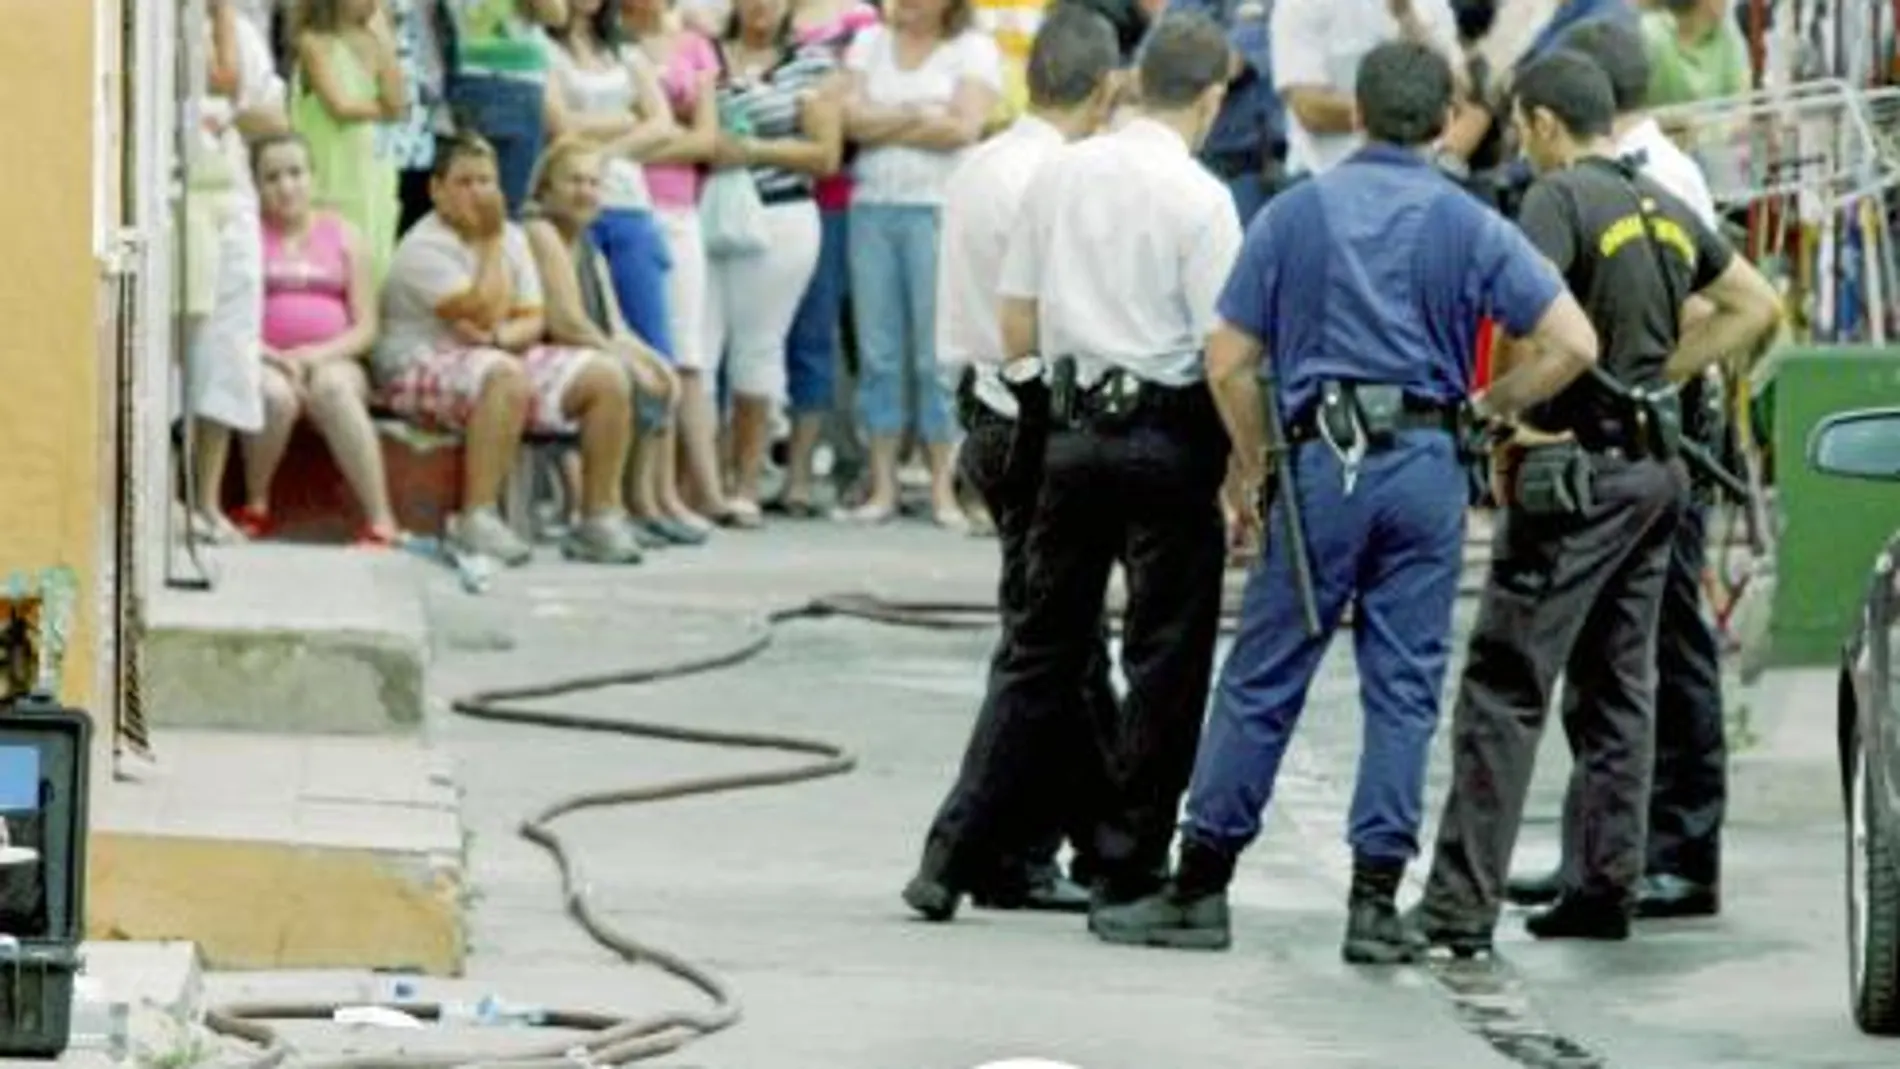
(44, 751)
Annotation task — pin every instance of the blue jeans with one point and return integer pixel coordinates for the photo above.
(811, 350)
(507, 112)
(638, 260)
(892, 250)
(1394, 547)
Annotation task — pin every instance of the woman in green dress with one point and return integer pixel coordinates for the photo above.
(349, 83)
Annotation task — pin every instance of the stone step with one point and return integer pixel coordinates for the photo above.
(283, 851)
(291, 639)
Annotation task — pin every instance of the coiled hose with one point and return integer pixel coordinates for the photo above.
(622, 1040)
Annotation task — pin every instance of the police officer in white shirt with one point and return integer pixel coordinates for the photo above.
(1688, 788)
(1317, 46)
(1117, 258)
(1072, 81)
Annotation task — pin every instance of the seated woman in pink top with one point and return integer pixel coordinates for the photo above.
(320, 320)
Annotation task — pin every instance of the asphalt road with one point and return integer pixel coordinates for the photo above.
(791, 893)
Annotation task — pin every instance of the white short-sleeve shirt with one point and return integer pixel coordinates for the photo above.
(900, 174)
(979, 210)
(1320, 43)
(1124, 241)
(431, 264)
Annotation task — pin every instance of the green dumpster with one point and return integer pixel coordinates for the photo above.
(1830, 528)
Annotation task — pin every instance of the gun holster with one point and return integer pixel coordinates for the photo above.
(1659, 424)
(1113, 403)
(1553, 480)
(1065, 401)
(1026, 446)
(966, 397)
(1475, 443)
(1338, 418)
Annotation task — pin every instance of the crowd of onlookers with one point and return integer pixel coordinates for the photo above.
(692, 238)
(620, 222)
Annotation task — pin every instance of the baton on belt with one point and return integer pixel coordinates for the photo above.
(1693, 453)
(1286, 488)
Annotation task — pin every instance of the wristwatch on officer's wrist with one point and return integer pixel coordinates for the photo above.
(1022, 370)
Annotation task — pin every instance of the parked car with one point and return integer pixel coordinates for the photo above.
(1865, 444)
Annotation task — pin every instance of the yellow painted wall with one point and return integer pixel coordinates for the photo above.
(52, 443)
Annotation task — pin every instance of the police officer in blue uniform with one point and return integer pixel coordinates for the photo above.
(1359, 293)
(1247, 146)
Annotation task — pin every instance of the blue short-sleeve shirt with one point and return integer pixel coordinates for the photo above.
(1378, 271)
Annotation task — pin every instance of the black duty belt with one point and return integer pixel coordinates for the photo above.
(1416, 416)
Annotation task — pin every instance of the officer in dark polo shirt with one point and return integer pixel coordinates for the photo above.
(1591, 492)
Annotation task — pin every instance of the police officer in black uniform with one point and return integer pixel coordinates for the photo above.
(1122, 244)
(1072, 81)
(1591, 485)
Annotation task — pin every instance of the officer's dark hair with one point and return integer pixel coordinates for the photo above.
(1572, 87)
(1404, 90)
(1618, 49)
(1075, 49)
(1184, 57)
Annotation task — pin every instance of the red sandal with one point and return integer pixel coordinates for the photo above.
(253, 522)
(370, 538)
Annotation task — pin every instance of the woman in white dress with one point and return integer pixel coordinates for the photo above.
(222, 379)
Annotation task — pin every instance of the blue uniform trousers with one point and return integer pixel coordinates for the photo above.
(1394, 546)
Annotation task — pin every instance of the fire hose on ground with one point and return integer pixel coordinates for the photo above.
(1489, 999)
(615, 1040)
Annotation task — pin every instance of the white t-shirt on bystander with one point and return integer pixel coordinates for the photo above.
(432, 263)
(899, 174)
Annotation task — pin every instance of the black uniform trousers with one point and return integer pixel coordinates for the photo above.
(1578, 594)
(1143, 492)
(1688, 791)
(1010, 497)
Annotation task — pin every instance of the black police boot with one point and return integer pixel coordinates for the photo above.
(1190, 913)
(1663, 896)
(1375, 933)
(930, 892)
(1534, 890)
(1578, 916)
